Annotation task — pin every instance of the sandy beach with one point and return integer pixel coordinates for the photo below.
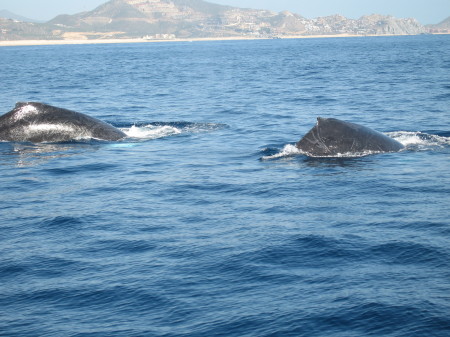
(112, 41)
(140, 40)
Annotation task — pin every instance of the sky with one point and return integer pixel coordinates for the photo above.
(426, 11)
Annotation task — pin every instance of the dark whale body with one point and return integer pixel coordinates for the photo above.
(38, 122)
(332, 137)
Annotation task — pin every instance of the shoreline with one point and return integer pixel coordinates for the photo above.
(14, 43)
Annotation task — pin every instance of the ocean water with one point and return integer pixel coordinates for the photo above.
(206, 221)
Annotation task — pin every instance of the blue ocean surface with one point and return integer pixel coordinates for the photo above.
(206, 220)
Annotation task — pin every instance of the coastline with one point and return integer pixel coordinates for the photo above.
(14, 43)
(140, 40)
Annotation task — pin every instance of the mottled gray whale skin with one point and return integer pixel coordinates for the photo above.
(332, 137)
(38, 122)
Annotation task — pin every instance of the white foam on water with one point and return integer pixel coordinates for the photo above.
(287, 151)
(291, 150)
(419, 140)
(151, 131)
(344, 154)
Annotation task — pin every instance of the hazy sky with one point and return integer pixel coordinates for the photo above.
(426, 11)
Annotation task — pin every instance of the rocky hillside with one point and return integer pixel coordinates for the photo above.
(166, 19)
(11, 30)
(442, 27)
(175, 18)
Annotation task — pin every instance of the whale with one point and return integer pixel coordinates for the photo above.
(38, 122)
(331, 137)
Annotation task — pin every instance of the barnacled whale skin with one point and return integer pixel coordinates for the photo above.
(38, 122)
(331, 137)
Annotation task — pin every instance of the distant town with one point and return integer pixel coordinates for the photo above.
(168, 20)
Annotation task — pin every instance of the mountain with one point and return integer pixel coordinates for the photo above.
(197, 18)
(442, 27)
(13, 29)
(5, 14)
(180, 18)
(166, 19)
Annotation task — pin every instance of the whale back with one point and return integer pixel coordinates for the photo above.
(331, 137)
(38, 122)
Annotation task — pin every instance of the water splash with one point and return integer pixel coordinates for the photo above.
(150, 131)
(165, 129)
(288, 150)
(420, 141)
